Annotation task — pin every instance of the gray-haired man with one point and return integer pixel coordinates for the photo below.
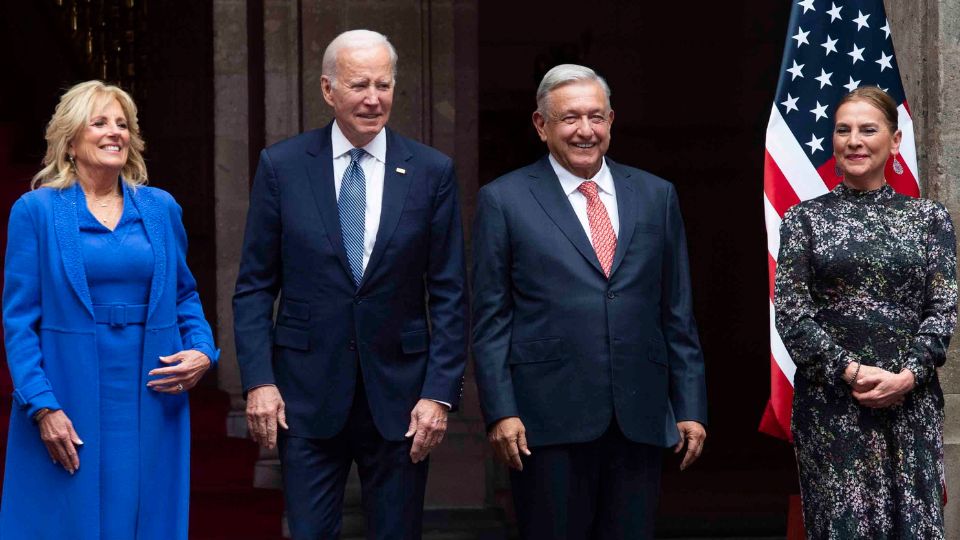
(588, 360)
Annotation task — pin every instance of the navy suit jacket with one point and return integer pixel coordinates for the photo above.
(561, 346)
(409, 347)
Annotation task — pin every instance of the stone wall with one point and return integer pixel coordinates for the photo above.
(925, 34)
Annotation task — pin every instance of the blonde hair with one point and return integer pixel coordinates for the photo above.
(71, 116)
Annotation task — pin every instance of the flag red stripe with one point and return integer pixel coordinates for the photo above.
(776, 416)
(903, 183)
(828, 171)
(772, 269)
(777, 188)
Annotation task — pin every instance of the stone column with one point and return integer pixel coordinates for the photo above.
(231, 181)
(928, 52)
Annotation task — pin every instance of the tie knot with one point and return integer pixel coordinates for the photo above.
(588, 188)
(356, 154)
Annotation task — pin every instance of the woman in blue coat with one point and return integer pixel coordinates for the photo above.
(104, 335)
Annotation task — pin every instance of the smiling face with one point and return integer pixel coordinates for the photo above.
(862, 143)
(576, 126)
(362, 94)
(102, 145)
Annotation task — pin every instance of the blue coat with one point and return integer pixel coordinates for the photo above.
(563, 347)
(325, 322)
(51, 346)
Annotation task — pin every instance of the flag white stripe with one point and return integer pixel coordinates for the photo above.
(908, 146)
(772, 220)
(780, 354)
(791, 158)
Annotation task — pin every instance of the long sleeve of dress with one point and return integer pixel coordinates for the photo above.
(194, 329)
(928, 349)
(21, 314)
(814, 352)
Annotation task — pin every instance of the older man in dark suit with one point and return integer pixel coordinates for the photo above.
(354, 226)
(588, 360)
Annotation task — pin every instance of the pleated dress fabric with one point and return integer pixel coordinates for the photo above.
(119, 268)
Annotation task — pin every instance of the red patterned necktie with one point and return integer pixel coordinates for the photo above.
(601, 231)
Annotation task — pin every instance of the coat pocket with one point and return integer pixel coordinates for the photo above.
(532, 352)
(657, 352)
(414, 342)
(295, 309)
(291, 338)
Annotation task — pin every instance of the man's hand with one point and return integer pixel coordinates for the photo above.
(692, 434)
(58, 435)
(885, 389)
(428, 424)
(509, 439)
(186, 369)
(265, 410)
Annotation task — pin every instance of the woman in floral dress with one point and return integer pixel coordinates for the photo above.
(866, 302)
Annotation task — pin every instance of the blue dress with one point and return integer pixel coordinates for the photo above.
(119, 268)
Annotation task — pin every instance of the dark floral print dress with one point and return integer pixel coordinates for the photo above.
(868, 276)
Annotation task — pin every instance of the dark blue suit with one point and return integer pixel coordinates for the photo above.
(328, 331)
(577, 356)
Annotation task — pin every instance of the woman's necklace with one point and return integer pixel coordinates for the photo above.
(106, 201)
(102, 203)
(109, 215)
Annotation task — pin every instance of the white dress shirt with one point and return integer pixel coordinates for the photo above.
(608, 194)
(373, 165)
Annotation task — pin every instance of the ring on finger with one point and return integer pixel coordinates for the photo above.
(179, 387)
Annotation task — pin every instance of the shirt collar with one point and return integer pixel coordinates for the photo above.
(376, 148)
(571, 183)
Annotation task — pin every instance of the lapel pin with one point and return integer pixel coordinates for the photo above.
(401, 171)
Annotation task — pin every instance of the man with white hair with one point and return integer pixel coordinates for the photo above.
(353, 226)
(587, 356)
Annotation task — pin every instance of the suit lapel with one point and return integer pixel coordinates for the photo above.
(319, 167)
(548, 192)
(153, 222)
(395, 187)
(68, 238)
(627, 211)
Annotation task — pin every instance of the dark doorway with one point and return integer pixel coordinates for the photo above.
(692, 88)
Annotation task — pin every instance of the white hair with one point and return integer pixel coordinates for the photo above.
(566, 74)
(355, 39)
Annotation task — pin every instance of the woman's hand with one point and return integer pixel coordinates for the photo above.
(884, 389)
(57, 433)
(187, 367)
(866, 376)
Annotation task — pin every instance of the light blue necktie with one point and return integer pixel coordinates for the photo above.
(352, 205)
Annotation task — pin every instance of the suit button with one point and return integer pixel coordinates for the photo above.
(357, 299)
(353, 345)
(611, 295)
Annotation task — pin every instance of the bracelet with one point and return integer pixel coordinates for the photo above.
(853, 378)
(39, 415)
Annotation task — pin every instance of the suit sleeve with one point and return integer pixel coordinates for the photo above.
(194, 329)
(446, 288)
(22, 314)
(258, 280)
(688, 393)
(492, 309)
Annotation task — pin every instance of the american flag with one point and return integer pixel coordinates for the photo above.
(832, 47)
